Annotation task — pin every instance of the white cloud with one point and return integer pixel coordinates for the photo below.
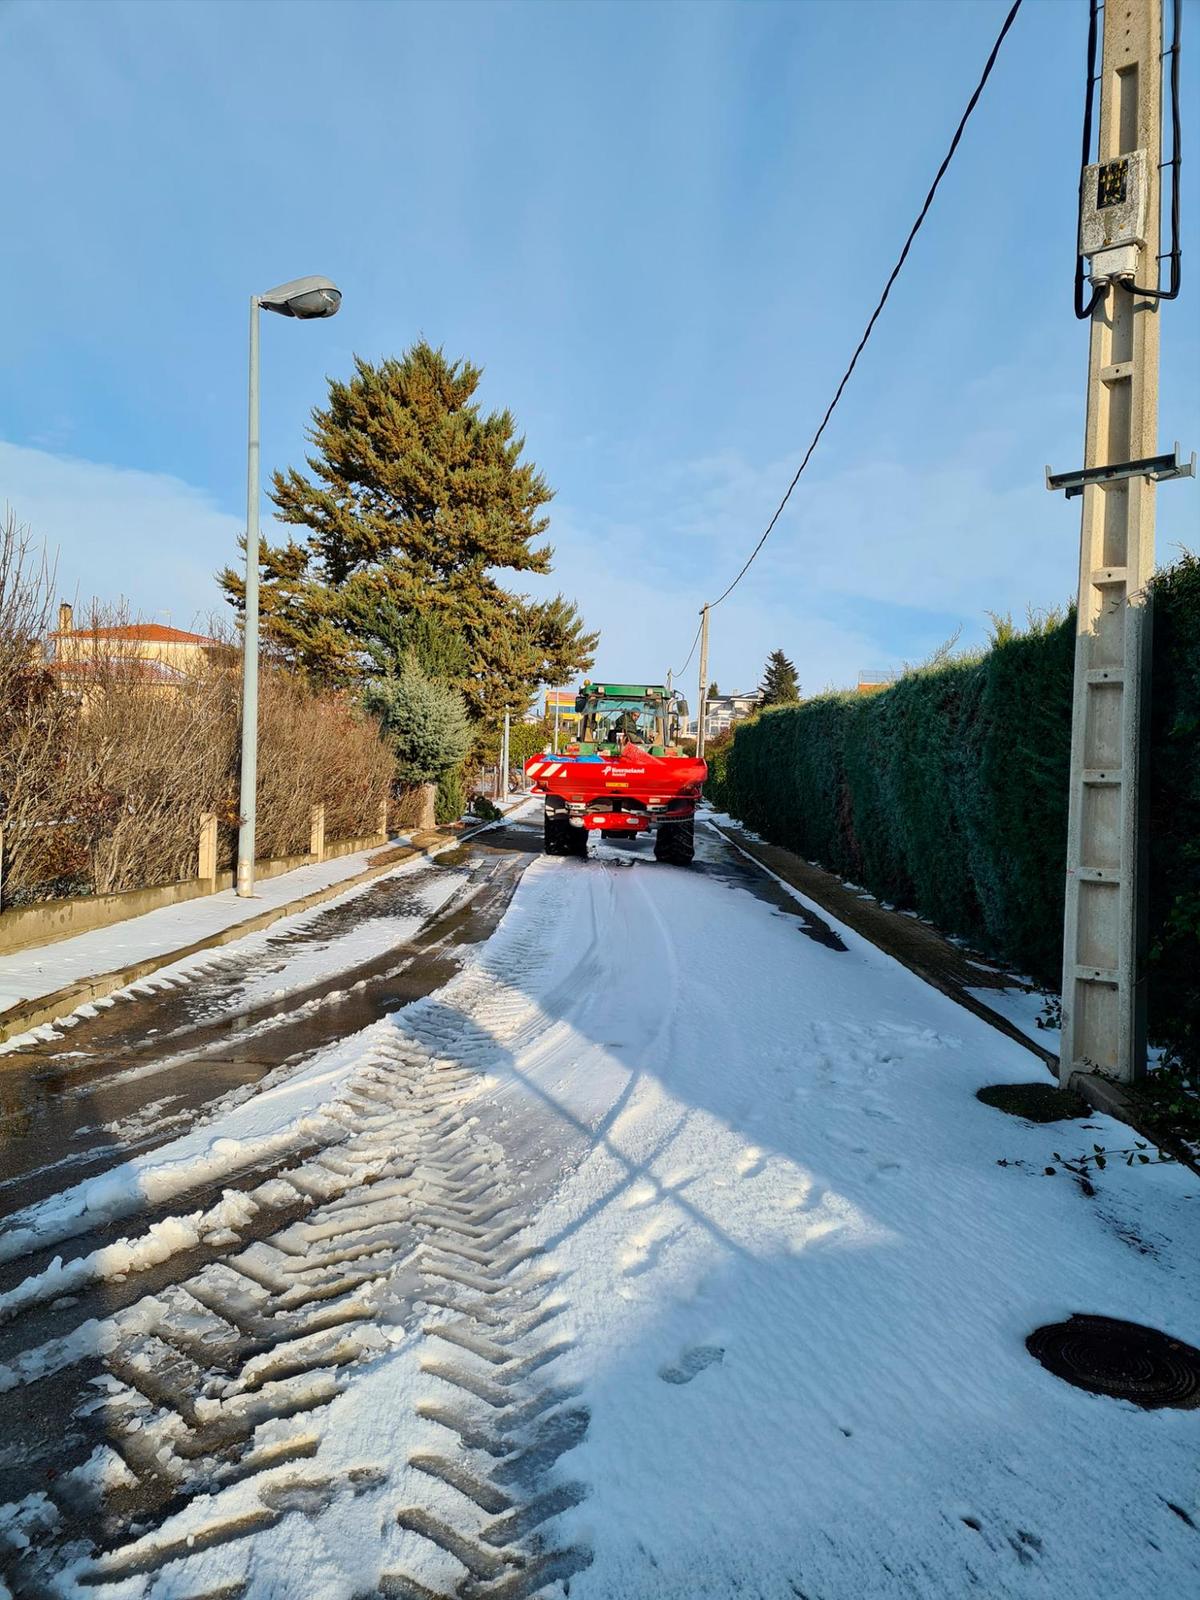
(144, 537)
(871, 565)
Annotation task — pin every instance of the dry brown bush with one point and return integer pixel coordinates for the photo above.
(105, 769)
(146, 760)
(315, 748)
(33, 719)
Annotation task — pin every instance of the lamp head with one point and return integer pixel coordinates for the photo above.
(305, 298)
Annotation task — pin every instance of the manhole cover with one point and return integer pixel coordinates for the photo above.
(1122, 1359)
(1036, 1102)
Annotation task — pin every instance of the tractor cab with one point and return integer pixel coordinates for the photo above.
(614, 715)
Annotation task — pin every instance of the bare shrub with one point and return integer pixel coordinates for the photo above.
(315, 748)
(33, 722)
(108, 759)
(150, 753)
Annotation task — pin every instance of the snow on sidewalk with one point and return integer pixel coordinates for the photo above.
(30, 974)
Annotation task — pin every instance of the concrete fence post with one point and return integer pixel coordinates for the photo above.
(316, 838)
(383, 818)
(206, 865)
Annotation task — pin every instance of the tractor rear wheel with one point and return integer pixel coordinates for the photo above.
(554, 835)
(675, 842)
(561, 839)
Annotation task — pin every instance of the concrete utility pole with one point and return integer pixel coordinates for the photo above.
(555, 721)
(702, 699)
(504, 760)
(1103, 998)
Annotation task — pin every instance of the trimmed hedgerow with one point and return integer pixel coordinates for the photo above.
(1174, 969)
(947, 793)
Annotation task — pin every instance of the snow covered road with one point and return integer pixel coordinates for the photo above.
(662, 1252)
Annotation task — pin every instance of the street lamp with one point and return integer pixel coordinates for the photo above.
(305, 298)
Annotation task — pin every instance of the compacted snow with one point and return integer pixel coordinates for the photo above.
(695, 1275)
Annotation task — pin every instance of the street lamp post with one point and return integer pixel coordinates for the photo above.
(305, 298)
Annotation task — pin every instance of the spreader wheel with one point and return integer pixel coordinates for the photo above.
(561, 839)
(554, 835)
(675, 842)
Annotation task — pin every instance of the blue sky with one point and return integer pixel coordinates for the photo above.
(660, 229)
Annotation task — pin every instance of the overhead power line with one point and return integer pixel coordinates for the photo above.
(887, 289)
(679, 672)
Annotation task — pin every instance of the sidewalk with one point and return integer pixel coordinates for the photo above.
(50, 980)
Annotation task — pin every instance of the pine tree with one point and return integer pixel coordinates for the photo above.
(713, 691)
(416, 500)
(779, 686)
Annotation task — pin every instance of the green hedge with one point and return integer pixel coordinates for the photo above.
(1175, 813)
(947, 793)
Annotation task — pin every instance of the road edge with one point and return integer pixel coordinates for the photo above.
(845, 914)
(27, 1014)
(1101, 1093)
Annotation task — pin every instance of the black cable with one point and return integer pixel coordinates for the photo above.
(690, 654)
(895, 273)
(1083, 312)
(1175, 254)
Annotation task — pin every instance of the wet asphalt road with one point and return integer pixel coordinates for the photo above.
(141, 1072)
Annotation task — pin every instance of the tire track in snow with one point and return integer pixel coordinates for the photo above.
(224, 1380)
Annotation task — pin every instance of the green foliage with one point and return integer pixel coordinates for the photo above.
(417, 500)
(486, 810)
(425, 723)
(451, 800)
(947, 792)
(526, 739)
(1174, 971)
(387, 635)
(780, 686)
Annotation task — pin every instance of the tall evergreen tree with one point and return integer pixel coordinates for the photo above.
(780, 686)
(416, 500)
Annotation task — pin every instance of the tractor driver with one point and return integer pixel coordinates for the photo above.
(627, 727)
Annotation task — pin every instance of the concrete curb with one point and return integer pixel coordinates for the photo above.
(28, 1014)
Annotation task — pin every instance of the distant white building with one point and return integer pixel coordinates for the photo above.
(721, 711)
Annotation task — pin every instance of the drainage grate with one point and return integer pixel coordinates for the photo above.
(1122, 1359)
(1036, 1102)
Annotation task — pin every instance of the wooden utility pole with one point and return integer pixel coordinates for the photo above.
(702, 699)
(1103, 1000)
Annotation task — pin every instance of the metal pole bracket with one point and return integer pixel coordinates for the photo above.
(1156, 468)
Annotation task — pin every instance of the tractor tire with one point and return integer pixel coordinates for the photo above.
(554, 835)
(675, 842)
(577, 842)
